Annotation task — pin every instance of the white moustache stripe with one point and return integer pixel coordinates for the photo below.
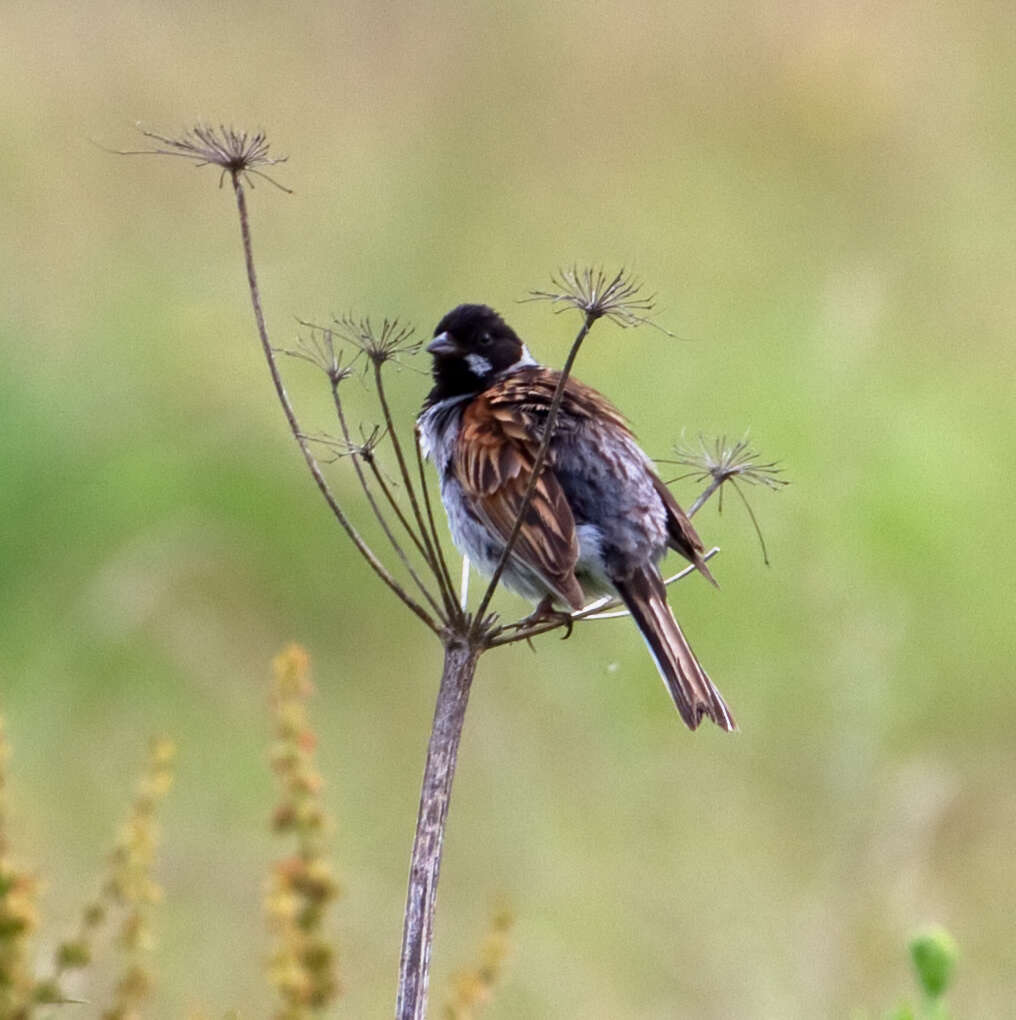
(478, 365)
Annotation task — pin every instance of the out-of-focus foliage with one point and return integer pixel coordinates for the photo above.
(820, 194)
(933, 952)
(29, 982)
(303, 967)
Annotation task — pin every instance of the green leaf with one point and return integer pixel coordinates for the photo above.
(934, 954)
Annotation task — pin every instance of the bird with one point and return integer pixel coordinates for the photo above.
(600, 519)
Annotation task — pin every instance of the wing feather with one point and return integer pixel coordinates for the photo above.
(525, 397)
(494, 459)
(681, 533)
(497, 444)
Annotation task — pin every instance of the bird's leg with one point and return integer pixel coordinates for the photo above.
(546, 613)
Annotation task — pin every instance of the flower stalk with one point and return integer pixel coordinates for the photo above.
(464, 635)
(435, 796)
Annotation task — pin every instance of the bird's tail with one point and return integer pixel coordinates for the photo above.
(693, 692)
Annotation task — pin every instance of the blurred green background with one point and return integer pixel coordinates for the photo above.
(821, 194)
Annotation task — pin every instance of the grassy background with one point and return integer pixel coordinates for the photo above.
(822, 196)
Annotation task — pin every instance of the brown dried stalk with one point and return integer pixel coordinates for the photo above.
(464, 636)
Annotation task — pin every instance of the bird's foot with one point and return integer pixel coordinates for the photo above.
(546, 613)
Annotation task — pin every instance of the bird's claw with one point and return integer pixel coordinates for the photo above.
(546, 613)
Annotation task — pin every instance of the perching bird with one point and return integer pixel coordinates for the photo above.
(600, 519)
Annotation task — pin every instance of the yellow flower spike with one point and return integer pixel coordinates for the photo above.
(302, 967)
(472, 989)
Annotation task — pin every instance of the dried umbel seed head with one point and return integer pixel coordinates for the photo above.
(389, 341)
(720, 461)
(241, 154)
(598, 295)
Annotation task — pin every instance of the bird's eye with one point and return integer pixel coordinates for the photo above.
(486, 339)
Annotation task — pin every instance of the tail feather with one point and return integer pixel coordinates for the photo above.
(693, 692)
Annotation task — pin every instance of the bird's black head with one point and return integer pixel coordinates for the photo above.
(472, 345)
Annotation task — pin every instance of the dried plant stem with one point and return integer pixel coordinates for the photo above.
(442, 753)
(435, 538)
(255, 296)
(709, 490)
(447, 592)
(462, 651)
(381, 519)
(534, 477)
(393, 503)
(464, 637)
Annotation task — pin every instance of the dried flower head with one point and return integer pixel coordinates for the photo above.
(598, 295)
(386, 343)
(721, 461)
(340, 447)
(369, 440)
(239, 153)
(318, 348)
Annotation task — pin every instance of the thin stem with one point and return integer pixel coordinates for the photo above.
(712, 487)
(396, 509)
(534, 477)
(340, 414)
(754, 521)
(435, 539)
(294, 427)
(447, 594)
(425, 865)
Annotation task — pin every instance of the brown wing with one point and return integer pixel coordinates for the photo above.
(530, 391)
(494, 459)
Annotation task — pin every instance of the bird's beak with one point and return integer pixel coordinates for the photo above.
(442, 345)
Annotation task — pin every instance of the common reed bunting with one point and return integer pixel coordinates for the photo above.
(600, 520)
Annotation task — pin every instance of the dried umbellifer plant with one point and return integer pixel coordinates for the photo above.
(430, 592)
